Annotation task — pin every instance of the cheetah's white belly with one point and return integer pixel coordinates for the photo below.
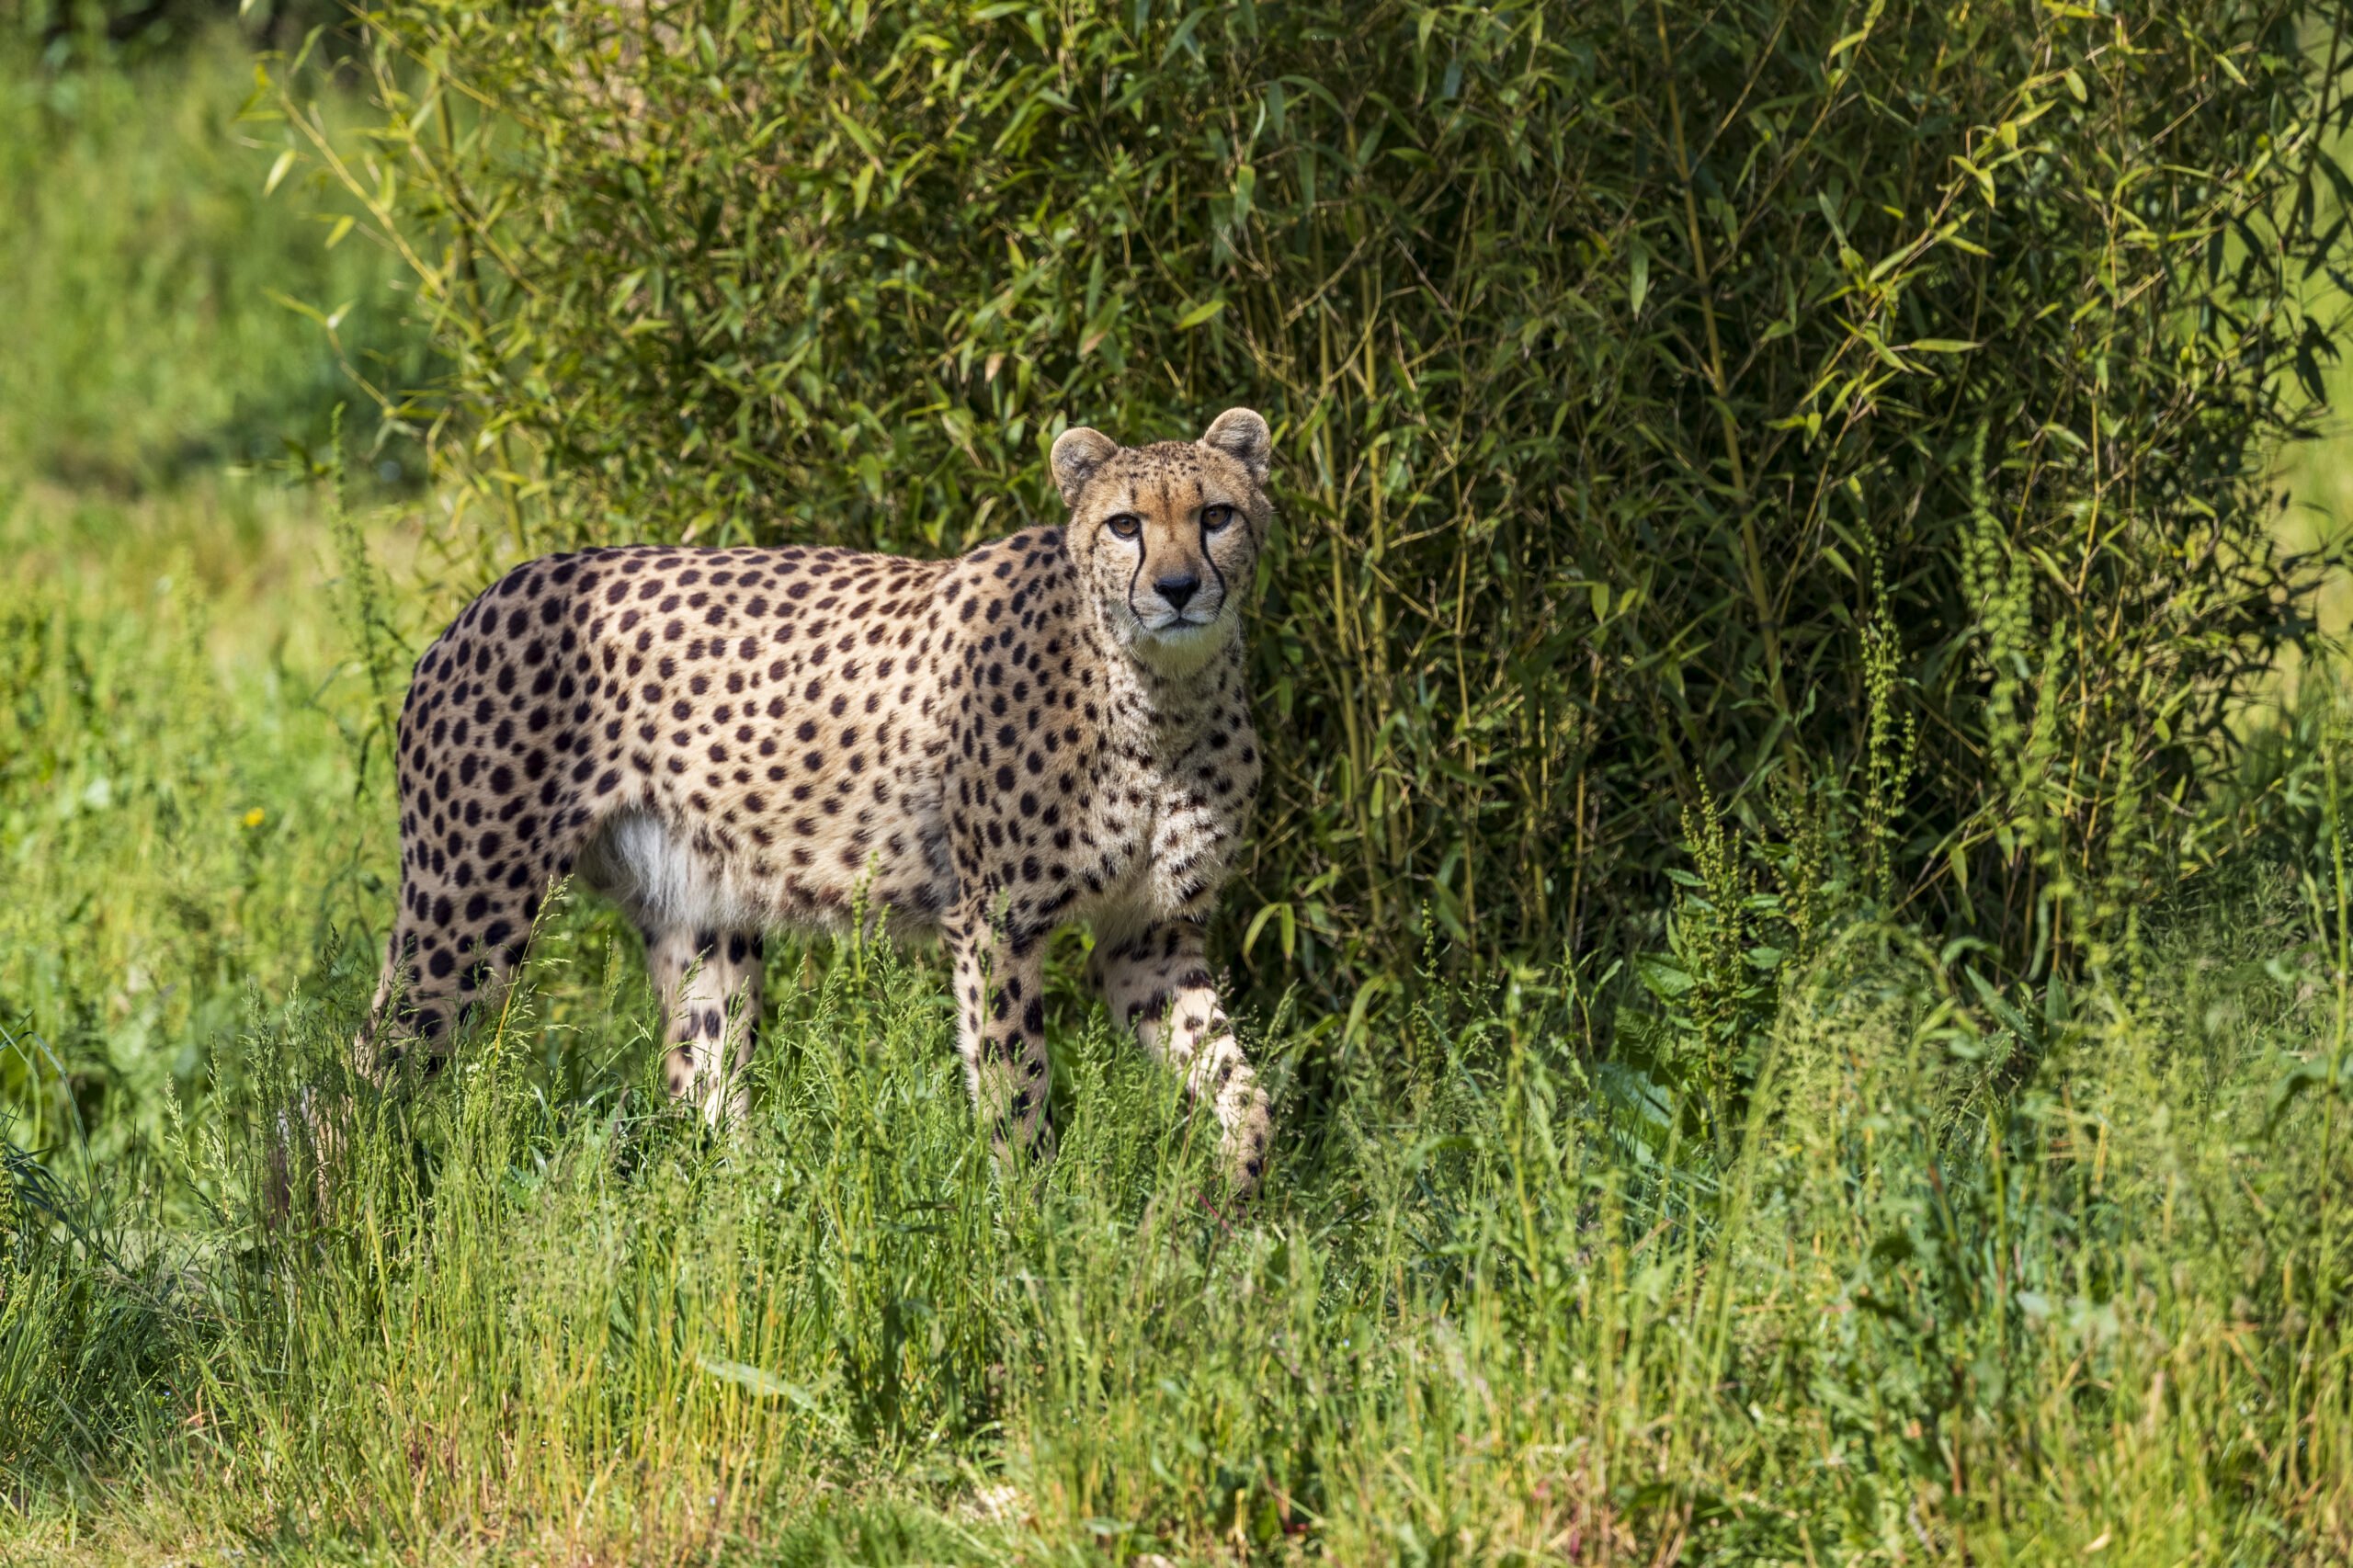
(667, 875)
(650, 867)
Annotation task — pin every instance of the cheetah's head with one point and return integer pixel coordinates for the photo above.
(1167, 535)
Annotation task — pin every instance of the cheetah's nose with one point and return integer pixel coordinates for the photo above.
(1176, 590)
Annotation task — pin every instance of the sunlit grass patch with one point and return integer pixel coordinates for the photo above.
(176, 793)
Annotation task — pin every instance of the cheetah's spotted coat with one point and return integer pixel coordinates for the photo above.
(1049, 729)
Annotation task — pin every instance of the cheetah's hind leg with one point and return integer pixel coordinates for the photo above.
(452, 954)
(468, 907)
(709, 981)
(703, 952)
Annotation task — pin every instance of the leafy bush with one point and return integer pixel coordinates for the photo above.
(1635, 367)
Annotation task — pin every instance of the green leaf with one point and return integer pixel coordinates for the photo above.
(1280, 913)
(764, 1384)
(1662, 978)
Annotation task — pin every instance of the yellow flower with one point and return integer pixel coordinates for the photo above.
(253, 818)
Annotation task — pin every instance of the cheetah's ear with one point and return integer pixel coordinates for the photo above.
(1241, 435)
(1079, 452)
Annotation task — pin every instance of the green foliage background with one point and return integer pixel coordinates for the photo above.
(156, 294)
(1843, 1242)
(1634, 367)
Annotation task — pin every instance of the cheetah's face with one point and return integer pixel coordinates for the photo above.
(1167, 535)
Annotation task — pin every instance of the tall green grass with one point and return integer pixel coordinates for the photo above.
(1498, 1306)
(177, 817)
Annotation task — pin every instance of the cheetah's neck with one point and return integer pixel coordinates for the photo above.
(1153, 707)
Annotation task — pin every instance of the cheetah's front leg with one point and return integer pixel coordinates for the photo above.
(709, 982)
(1157, 980)
(1001, 1016)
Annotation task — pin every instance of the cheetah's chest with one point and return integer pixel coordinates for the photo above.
(1162, 833)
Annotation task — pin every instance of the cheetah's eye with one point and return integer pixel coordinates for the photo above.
(1127, 525)
(1216, 517)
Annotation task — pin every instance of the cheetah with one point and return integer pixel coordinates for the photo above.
(1051, 729)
